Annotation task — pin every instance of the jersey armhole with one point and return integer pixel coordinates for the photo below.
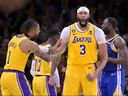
(113, 47)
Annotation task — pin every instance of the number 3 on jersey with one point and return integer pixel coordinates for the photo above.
(83, 49)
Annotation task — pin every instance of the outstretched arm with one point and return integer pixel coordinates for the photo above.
(54, 65)
(29, 46)
(55, 59)
(63, 45)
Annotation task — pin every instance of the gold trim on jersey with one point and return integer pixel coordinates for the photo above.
(112, 46)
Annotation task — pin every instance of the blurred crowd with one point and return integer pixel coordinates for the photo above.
(59, 13)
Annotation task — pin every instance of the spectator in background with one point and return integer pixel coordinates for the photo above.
(3, 51)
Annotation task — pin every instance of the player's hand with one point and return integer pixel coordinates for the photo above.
(91, 76)
(52, 80)
(53, 49)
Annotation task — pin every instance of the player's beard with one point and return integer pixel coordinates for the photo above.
(81, 24)
(106, 31)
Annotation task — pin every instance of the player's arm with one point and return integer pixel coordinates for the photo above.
(65, 34)
(102, 50)
(60, 50)
(54, 65)
(40, 52)
(122, 49)
(52, 50)
(103, 57)
(56, 60)
(29, 46)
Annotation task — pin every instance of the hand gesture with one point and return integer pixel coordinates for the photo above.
(53, 49)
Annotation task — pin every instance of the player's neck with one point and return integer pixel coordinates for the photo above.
(111, 35)
(86, 28)
(21, 35)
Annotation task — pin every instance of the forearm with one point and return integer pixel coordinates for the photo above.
(101, 66)
(61, 50)
(53, 68)
(45, 57)
(118, 60)
(103, 57)
(54, 64)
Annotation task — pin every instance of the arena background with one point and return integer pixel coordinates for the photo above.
(59, 13)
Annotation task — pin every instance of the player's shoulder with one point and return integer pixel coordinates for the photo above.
(97, 29)
(28, 42)
(119, 40)
(66, 28)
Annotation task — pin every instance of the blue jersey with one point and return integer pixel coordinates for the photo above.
(113, 53)
(112, 80)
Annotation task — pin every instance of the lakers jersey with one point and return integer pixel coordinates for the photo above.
(41, 66)
(16, 59)
(82, 48)
(113, 53)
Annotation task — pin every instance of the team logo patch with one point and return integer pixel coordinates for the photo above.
(73, 30)
(90, 32)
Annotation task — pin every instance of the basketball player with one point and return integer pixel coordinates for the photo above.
(113, 77)
(13, 81)
(82, 39)
(42, 69)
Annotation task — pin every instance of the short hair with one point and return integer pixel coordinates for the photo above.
(113, 21)
(25, 27)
